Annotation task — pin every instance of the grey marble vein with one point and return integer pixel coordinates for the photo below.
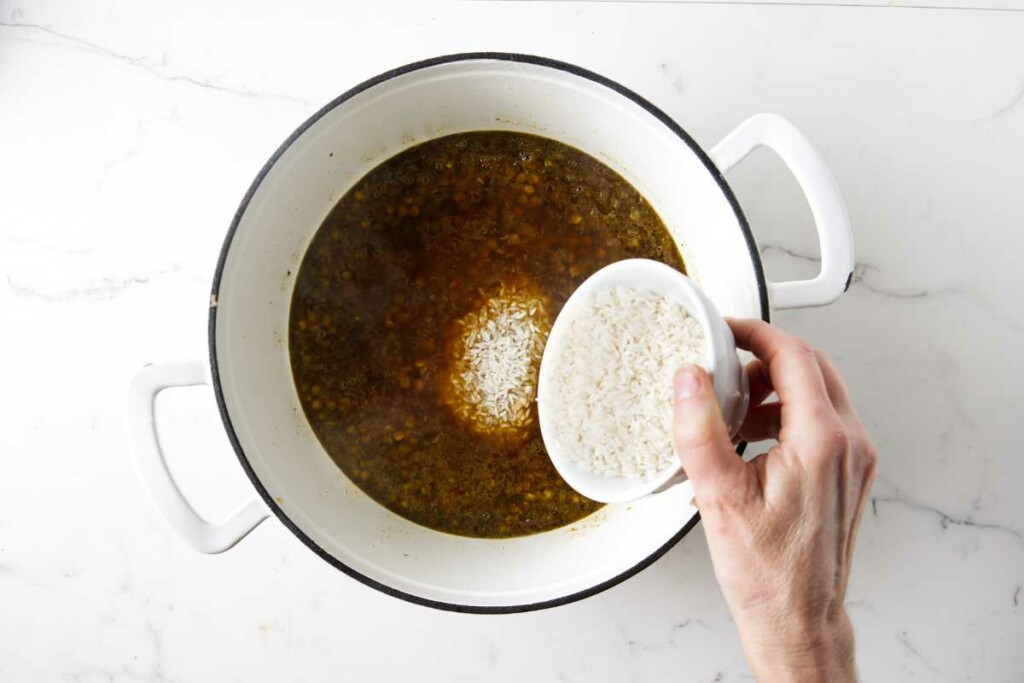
(856, 605)
(490, 652)
(101, 290)
(861, 270)
(146, 64)
(916, 653)
(675, 80)
(158, 651)
(996, 313)
(671, 642)
(1009, 106)
(947, 520)
(679, 626)
(790, 252)
(48, 246)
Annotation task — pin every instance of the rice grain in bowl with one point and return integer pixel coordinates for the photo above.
(610, 393)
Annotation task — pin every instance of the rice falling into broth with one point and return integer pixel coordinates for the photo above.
(493, 379)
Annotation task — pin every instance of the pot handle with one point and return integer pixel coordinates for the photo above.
(822, 192)
(156, 477)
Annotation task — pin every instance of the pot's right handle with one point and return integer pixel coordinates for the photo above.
(822, 192)
(163, 490)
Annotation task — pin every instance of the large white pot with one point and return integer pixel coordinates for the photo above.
(252, 289)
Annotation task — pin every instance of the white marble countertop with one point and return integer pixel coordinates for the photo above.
(128, 134)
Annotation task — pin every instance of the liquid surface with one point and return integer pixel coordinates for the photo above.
(422, 247)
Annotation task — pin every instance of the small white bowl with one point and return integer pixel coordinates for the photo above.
(720, 359)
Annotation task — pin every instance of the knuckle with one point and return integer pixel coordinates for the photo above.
(824, 414)
(829, 439)
(799, 347)
(728, 499)
(868, 456)
(835, 438)
(718, 522)
(709, 505)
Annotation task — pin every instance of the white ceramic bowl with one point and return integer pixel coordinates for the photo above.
(728, 375)
(249, 368)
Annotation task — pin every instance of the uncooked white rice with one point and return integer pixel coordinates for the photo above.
(611, 386)
(493, 378)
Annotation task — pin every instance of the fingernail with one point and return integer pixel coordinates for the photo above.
(687, 382)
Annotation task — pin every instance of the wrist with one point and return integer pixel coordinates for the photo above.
(822, 653)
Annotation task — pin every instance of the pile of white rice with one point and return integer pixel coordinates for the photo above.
(493, 376)
(610, 397)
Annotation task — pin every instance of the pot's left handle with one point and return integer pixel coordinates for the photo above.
(149, 457)
(822, 193)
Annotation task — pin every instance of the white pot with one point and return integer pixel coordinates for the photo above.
(249, 366)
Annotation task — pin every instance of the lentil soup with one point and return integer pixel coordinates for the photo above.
(420, 311)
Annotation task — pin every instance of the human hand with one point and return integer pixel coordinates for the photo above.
(781, 528)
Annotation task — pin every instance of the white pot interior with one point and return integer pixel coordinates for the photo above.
(254, 296)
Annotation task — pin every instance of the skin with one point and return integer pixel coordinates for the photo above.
(781, 528)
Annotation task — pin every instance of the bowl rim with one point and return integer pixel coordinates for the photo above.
(268, 500)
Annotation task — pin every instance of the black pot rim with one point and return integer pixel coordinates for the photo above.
(212, 328)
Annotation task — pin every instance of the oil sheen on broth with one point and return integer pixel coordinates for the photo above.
(447, 240)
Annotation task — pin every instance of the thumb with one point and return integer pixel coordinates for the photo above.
(699, 434)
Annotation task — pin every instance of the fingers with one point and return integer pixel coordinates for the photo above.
(864, 476)
(792, 367)
(760, 382)
(834, 383)
(700, 437)
(762, 422)
(765, 421)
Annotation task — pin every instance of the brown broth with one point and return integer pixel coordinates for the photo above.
(421, 241)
